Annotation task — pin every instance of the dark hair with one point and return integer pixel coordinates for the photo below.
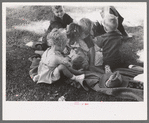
(77, 62)
(73, 31)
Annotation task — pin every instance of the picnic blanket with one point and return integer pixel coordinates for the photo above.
(92, 80)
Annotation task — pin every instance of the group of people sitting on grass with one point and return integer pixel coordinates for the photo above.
(70, 48)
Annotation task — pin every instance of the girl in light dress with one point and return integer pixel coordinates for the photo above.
(53, 64)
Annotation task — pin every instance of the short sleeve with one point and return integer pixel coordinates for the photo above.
(69, 19)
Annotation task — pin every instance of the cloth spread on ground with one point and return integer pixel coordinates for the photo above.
(92, 80)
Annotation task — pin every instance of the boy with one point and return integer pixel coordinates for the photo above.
(99, 29)
(110, 43)
(59, 20)
(53, 64)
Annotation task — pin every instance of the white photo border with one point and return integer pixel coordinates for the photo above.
(37, 110)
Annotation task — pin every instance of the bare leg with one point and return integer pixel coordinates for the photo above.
(70, 75)
(65, 71)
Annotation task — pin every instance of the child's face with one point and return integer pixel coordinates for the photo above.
(92, 32)
(59, 12)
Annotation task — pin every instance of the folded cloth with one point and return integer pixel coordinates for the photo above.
(135, 67)
(93, 81)
(129, 72)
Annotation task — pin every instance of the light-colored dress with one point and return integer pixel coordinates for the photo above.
(48, 66)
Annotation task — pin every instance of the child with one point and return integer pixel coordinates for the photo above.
(75, 34)
(59, 20)
(99, 29)
(53, 64)
(110, 42)
(95, 56)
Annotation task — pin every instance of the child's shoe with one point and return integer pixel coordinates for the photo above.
(107, 69)
(35, 78)
(80, 79)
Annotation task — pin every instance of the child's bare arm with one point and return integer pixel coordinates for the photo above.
(91, 56)
(39, 52)
(64, 61)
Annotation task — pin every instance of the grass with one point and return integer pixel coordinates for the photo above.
(19, 85)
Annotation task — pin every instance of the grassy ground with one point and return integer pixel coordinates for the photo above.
(19, 85)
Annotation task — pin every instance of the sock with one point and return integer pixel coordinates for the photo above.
(73, 77)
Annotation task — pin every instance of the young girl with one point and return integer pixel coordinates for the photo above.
(53, 64)
(76, 35)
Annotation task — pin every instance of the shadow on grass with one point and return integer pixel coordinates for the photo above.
(130, 47)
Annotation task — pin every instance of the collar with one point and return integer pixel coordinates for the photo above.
(112, 33)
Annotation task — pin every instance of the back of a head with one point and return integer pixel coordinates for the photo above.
(73, 31)
(110, 22)
(86, 25)
(57, 37)
(77, 62)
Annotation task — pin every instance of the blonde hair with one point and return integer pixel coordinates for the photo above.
(57, 37)
(110, 22)
(86, 25)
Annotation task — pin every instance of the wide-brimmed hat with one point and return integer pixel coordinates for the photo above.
(112, 80)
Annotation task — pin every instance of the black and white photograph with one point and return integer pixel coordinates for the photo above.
(79, 55)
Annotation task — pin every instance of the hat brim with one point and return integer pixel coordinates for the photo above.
(105, 77)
